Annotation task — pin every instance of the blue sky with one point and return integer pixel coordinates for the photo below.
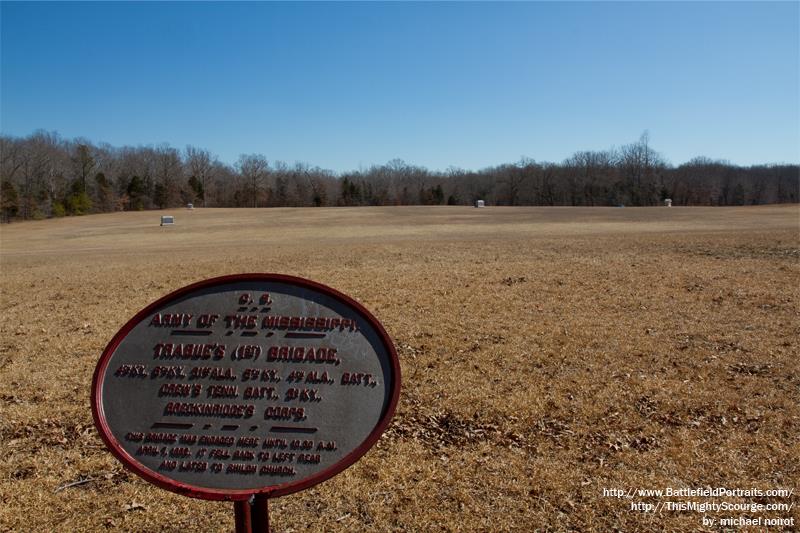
(347, 85)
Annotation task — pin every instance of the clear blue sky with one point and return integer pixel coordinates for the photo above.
(344, 85)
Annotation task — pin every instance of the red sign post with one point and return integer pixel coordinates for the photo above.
(244, 388)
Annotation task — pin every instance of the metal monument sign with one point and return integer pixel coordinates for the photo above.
(246, 387)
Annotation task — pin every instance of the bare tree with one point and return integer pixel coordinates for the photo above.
(83, 162)
(168, 169)
(638, 165)
(254, 168)
(586, 173)
(514, 179)
(11, 159)
(199, 166)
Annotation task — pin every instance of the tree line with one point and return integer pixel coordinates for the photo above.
(43, 175)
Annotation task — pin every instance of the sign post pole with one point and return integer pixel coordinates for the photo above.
(243, 516)
(260, 513)
(252, 517)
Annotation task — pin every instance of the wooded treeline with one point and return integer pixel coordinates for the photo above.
(43, 175)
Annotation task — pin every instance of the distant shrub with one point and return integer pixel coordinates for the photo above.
(79, 203)
(59, 210)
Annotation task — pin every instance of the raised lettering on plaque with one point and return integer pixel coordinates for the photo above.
(246, 384)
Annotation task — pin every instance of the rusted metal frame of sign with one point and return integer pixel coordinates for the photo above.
(251, 504)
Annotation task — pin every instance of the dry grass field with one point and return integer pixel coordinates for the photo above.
(547, 354)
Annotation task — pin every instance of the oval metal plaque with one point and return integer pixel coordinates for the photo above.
(247, 384)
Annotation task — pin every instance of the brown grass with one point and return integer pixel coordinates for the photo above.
(547, 353)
